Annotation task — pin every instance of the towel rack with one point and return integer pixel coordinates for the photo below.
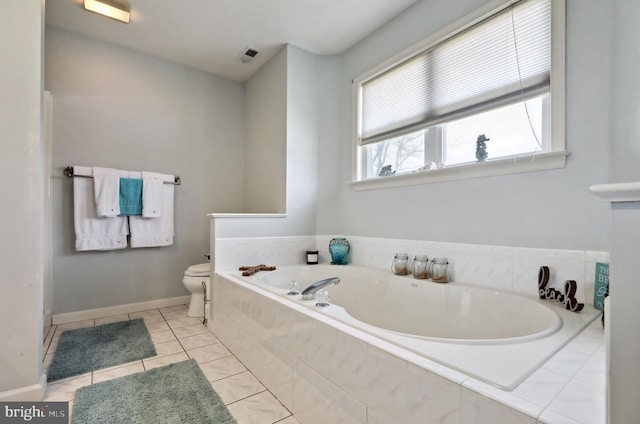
(68, 171)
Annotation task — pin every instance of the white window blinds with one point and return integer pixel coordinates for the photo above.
(502, 58)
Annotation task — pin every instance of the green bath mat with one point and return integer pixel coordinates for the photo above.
(177, 393)
(93, 348)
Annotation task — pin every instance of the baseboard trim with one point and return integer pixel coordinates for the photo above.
(32, 393)
(119, 309)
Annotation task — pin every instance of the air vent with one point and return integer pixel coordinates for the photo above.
(248, 54)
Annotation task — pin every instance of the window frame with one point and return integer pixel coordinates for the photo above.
(537, 161)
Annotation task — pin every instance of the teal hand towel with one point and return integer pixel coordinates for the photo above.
(130, 196)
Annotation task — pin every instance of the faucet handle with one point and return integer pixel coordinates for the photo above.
(294, 288)
(322, 296)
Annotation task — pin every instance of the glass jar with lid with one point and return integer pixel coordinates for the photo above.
(400, 264)
(439, 270)
(420, 267)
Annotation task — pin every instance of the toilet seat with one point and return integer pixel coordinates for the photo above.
(199, 270)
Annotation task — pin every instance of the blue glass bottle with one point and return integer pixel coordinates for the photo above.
(339, 248)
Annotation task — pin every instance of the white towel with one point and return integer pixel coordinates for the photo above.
(93, 233)
(106, 187)
(151, 194)
(149, 232)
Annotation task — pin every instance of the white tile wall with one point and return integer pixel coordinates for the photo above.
(231, 253)
(431, 398)
(318, 400)
(499, 267)
(478, 409)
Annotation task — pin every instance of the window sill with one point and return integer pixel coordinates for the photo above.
(512, 165)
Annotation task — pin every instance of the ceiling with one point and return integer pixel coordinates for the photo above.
(211, 35)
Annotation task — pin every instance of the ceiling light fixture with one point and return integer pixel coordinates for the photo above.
(120, 10)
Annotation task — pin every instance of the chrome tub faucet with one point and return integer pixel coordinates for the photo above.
(307, 294)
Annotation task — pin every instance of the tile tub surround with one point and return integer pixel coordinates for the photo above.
(231, 253)
(313, 364)
(388, 307)
(500, 267)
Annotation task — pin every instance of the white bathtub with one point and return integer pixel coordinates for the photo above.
(497, 337)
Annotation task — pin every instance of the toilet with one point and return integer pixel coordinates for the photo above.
(194, 276)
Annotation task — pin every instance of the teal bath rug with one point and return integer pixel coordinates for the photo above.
(177, 393)
(93, 348)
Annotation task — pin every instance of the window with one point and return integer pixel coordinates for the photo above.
(485, 99)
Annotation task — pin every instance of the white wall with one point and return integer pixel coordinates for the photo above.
(624, 56)
(332, 118)
(21, 226)
(284, 95)
(117, 108)
(266, 138)
(302, 141)
(550, 209)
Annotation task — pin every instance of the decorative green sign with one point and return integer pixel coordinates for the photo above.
(601, 285)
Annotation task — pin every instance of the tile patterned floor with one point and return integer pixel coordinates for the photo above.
(178, 337)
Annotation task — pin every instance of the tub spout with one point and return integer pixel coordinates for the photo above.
(307, 294)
